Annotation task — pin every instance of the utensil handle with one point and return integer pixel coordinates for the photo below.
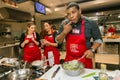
(25, 64)
(54, 74)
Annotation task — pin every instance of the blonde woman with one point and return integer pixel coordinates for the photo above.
(30, 42)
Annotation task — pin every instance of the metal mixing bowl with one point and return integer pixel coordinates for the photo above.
(73, 72)
(38, 63)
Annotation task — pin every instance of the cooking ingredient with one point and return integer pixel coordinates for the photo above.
(72, 65)
(102, 74)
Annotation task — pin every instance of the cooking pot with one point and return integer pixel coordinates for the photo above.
(38, 63)
(9, 62)
(20, 74)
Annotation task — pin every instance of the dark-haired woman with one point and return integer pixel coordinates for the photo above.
(51, 51)
(30, 42)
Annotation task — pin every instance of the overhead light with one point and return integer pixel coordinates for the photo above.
(48, 10)
(99, 13)
(118, 16)
(59, 9)
(32, 19)
(94, 18)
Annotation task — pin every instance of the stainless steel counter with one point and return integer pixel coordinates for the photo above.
(9, 45)
(10, 50)
(111, 40)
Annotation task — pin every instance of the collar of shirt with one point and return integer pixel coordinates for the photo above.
(76, 25)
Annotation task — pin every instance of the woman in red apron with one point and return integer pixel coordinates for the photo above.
(76, 47)
(30, 43)
(51, 51)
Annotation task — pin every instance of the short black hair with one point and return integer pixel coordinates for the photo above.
(72, 4)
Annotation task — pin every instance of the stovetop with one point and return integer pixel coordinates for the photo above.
(35, 72)
(4, 71)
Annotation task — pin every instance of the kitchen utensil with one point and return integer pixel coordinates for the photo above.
(1, 57)
(9, 62)
(80, 58)
(25, 65)
(88, 75)
(20, 74)
(55, 72)
(37, 63)
(7, 65)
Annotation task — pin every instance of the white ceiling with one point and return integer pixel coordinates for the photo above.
(56, 8)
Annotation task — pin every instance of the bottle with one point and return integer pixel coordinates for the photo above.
(102, 74)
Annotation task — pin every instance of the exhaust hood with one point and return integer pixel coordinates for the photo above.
(15, 15)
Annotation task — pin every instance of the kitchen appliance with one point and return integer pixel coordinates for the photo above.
(17, 73)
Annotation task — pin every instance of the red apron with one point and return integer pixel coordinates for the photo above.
(31, 50)
(54, 50)
(76, 46)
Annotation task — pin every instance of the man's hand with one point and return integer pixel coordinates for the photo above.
(67, 28)
(88, 54)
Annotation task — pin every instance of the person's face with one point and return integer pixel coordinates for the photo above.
(73, 14)
(47, 27)
(31, 29)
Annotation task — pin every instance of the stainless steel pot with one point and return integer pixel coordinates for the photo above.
(9, 62)
(20, 74)
(38, 63)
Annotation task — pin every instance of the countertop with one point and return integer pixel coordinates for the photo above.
(111, 40)
(61, 75)
(10, 45)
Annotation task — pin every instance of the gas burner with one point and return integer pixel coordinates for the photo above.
(4, 69)
(37, 72)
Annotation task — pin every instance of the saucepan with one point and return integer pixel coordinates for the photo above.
(20, 74)
(9, 62)
(37, 64)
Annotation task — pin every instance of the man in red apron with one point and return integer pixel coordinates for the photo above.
(76, 46)
(78, 30)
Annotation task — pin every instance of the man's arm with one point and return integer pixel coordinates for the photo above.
(67, 28)
(97, 40)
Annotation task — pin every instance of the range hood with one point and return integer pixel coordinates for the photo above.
(14, 15)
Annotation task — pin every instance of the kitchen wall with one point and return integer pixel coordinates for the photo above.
(18, 27)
